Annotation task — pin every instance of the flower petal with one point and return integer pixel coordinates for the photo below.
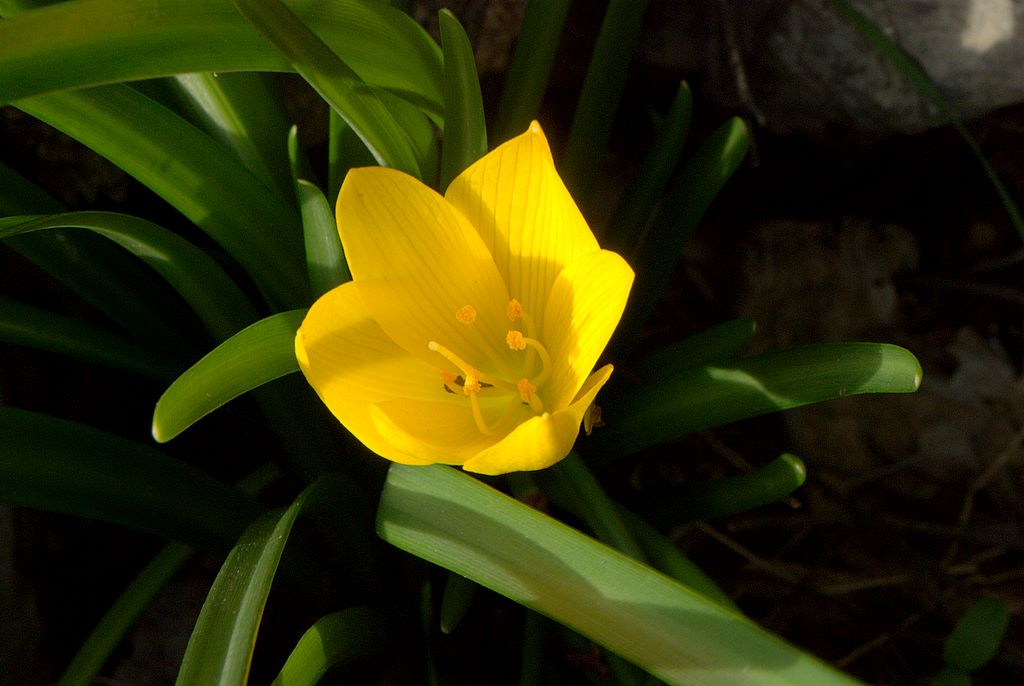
(351, 363)
(417, 261)
(586, 304)
(542, 441)
(515, 199)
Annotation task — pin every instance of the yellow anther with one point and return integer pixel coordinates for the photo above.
(526, 389)
(472, 385)
(448, 378)
(466, 314)
(515, 309)
(516, 340)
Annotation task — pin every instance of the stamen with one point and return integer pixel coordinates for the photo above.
(483, 379)
(478, 416)
(528, 394)
(515, 309)
(545, 360)
(466, 314)
(471, 386)
(515, 340)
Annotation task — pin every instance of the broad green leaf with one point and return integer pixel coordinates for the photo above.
(192, 172)
(335, 81)
(56, 465)
(335, 640)
(107, 634)
(721, 342)
(245, 113)
(214, 297)
(977, 635)
(602, 88)
(640, 197)
(657, 251)
(528, 74)
(465, 132)
(92, 42)
(261, 352)
(84, 263)
(459, 593)
(220, 648)
(344, 151)
(916, 74)
(453, 520)
(325, 256)
(728, 495)
(712, 395)
(34, 328)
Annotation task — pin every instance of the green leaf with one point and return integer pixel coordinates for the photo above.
(951, 676)
(528, 74)
(717, 344)
(192, 172)
(344, 151)
(335, 81)
(657, 251)
(61, 466)
(602, 89)
(220, 648)
(640, 197)
(34, 328)
(255, 355)
(459, 593)
(335, 640)
(218, 301)
(729, 495)
(116, 621)
(325, 256)
(454, 521)
(84, 263)
(245, 113)
(916, 74)
(465, 132)
(977, 635)
(713, 395)
(92, 42)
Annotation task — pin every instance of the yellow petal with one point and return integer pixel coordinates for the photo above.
(543, 440)
(514, 197)
(586, 304)
(351, 363)
(431, 431)
(417, 262)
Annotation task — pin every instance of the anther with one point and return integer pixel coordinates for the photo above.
(466, 314)
(515, 309)
(515, 340)
(471, 386)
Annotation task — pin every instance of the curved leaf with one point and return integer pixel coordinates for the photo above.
(465, 132)
(454, 521)
(721, 342)
(191, 171)
(255, 355)
(56, 465)
(325, 256)
(334, 640)
(977, 635)
(712, 395)
(92, 42)
(334, 80)
(217, 300)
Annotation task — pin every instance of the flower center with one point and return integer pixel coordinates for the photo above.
(472, 382)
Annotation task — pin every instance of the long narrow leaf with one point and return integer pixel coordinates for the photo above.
(255, 355)
(91, 42)
(721, 342)
(220, 648)
(335, 640)
(339, 85)
(192, 172)
(452, 520)
(712, 395)
(528, 74)
(56, 465)
(31, 327)
(325, 256)
(105, 637)
(689, 196)
(244, 111)
(217, 300)
(602, 89)
(465, 133)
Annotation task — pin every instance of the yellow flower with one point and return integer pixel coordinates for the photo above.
(473, 320)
